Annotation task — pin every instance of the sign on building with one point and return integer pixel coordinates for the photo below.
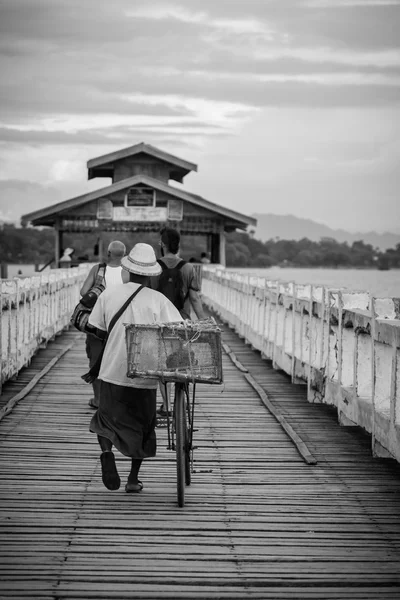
(104, 209)
(175, 210)
(137, 213)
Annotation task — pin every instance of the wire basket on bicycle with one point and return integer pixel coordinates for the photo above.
(182, 351)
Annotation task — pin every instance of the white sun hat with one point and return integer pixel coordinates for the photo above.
(141, 260)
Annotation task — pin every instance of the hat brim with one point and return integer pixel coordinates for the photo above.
(140, 269)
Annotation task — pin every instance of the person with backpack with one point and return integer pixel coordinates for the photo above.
(178, 282)
(103, 275)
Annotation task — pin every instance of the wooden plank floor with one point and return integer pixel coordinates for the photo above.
(258, 522)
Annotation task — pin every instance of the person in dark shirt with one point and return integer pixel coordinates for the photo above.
(169, 243)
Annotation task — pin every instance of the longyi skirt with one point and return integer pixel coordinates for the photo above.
(127, 417)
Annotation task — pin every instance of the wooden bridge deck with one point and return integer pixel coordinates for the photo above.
(259, 522)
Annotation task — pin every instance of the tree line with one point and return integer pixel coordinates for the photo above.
(245, 251)
(36, 246)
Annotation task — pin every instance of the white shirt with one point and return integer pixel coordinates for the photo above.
(149, 306)
(113, 276)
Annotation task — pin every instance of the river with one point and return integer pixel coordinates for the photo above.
(381, 284)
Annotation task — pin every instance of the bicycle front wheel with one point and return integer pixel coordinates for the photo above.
(188, 453)
(180, 442)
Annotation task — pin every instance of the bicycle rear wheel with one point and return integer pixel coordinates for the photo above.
(181, 435)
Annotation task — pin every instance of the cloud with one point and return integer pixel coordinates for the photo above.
(349, 78)
(178, 13)
(224, 84)
(112, 135)
(53, 62)
(313, 56)
(259, 90)
(52, 95)
(167, 12)
(349, 3)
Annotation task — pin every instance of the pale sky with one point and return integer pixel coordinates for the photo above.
(287, 106)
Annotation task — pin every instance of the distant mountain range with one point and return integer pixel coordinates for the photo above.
(289, 227)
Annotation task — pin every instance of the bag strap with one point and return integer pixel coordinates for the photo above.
(100, 274)
(122, 309)
(164, 267)
(95, 369)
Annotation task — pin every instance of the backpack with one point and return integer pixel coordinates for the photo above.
(81, 314)
(170, 283)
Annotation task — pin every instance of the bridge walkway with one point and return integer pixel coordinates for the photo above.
(259, 522)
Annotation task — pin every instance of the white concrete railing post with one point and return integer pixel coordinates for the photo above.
(32, 311)
(385, 375)
(342, 344)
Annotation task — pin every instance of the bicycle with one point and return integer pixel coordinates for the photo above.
(182, 353)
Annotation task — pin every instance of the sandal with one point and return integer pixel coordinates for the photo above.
(134, 488)
(109, 471)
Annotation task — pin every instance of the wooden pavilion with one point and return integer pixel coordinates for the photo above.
(140, 199)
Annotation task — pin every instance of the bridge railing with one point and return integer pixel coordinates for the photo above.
(33, 311)
(344, 345)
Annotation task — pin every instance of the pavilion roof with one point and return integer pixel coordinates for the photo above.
(48, 215)
(103, 166)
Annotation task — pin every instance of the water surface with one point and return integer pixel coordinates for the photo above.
(380, 284)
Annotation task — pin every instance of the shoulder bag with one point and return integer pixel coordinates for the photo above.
(82, 310)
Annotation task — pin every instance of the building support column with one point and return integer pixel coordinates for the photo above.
(222, 247)
(58, 240)
(209, 244)
(216, 248)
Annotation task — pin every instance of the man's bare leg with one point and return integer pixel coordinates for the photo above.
(134, 485)
(105, 443)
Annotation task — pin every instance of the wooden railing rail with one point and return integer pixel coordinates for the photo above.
(344, 345)
(34, 310)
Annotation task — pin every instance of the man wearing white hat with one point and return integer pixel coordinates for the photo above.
(126, 417)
